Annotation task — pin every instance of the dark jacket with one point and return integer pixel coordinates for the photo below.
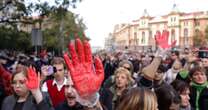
(30, 103)
(64, 106)
(109, 99)
(203, 96)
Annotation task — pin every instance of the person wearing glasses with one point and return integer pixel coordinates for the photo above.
(55, 87)
(27, 94)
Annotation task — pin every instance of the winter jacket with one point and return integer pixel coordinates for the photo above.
(199, 96)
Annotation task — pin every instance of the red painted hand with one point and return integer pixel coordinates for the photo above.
(87, 78)
(162, 40)
(33, 80)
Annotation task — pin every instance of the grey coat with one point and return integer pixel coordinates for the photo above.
(30, 104)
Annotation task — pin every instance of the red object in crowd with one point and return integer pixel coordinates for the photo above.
(6, 79)
(86, 78)
(162, 39)
(43, 53)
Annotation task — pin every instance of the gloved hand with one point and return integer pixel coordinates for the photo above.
(87, 78)
(162, 40)
(33, 80)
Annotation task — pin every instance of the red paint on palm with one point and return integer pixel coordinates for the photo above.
(162, 39)
(33, 79)
(87, 78)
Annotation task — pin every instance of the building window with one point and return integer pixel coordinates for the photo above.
(185, 23)
(172, 35)
(185, 36)
(174, 18)
(135, 38)
(197, 23)
(143, 37)
(197, 32)
(150, 34)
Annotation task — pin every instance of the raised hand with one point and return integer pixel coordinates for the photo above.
(87, 78)
(33, 80)
(162, 40)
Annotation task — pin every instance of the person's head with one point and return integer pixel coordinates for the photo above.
(58, 63)
(122, 77)
(183, 89)
(70, 93)
(158, 79)
(127, 65)
(138, 99)
(174, 55)
(197, 75)
(168, 98)
(75, 101)
(205, 62)
(18, 82)
(186, 51)
(176, 67)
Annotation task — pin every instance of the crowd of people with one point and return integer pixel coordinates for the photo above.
(79, 80)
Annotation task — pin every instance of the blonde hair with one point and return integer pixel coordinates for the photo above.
(122, 70)
(139, 99)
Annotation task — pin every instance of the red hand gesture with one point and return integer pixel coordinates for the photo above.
(33, 80)
(86, 78)
(162, 40)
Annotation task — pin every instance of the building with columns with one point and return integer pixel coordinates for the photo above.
(139, 34)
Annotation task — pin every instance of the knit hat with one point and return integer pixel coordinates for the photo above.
(150, 70)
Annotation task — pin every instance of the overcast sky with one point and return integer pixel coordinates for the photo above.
(100, 16)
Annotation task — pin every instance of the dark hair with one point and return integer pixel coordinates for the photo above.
(195, 69)
(176, 53)
(161, 69)
(166, 96)
(180, 86)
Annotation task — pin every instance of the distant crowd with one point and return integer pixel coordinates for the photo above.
(160, 80)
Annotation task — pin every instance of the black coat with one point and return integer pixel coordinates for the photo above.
(109, 99)
(64, 106)
(203, 98)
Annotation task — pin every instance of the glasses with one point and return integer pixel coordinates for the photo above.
(18, 82)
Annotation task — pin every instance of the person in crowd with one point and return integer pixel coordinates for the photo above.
(149, 72)
(171, 74)
(110, 97)
(27, 94)
(138, 99)
(183, 89)
(5, 86)
(199, 89)
(158, 79)
(174, 56)
(87, 78)
(168, 98)
(47, 72)
(109, 65)
(111, 80)
(205, 65)
(203, 50)
(55, 87)
(71, 102)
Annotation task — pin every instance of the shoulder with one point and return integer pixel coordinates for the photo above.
(61, 106)
(9, 98)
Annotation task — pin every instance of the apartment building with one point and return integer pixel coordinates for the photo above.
(139, 34)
